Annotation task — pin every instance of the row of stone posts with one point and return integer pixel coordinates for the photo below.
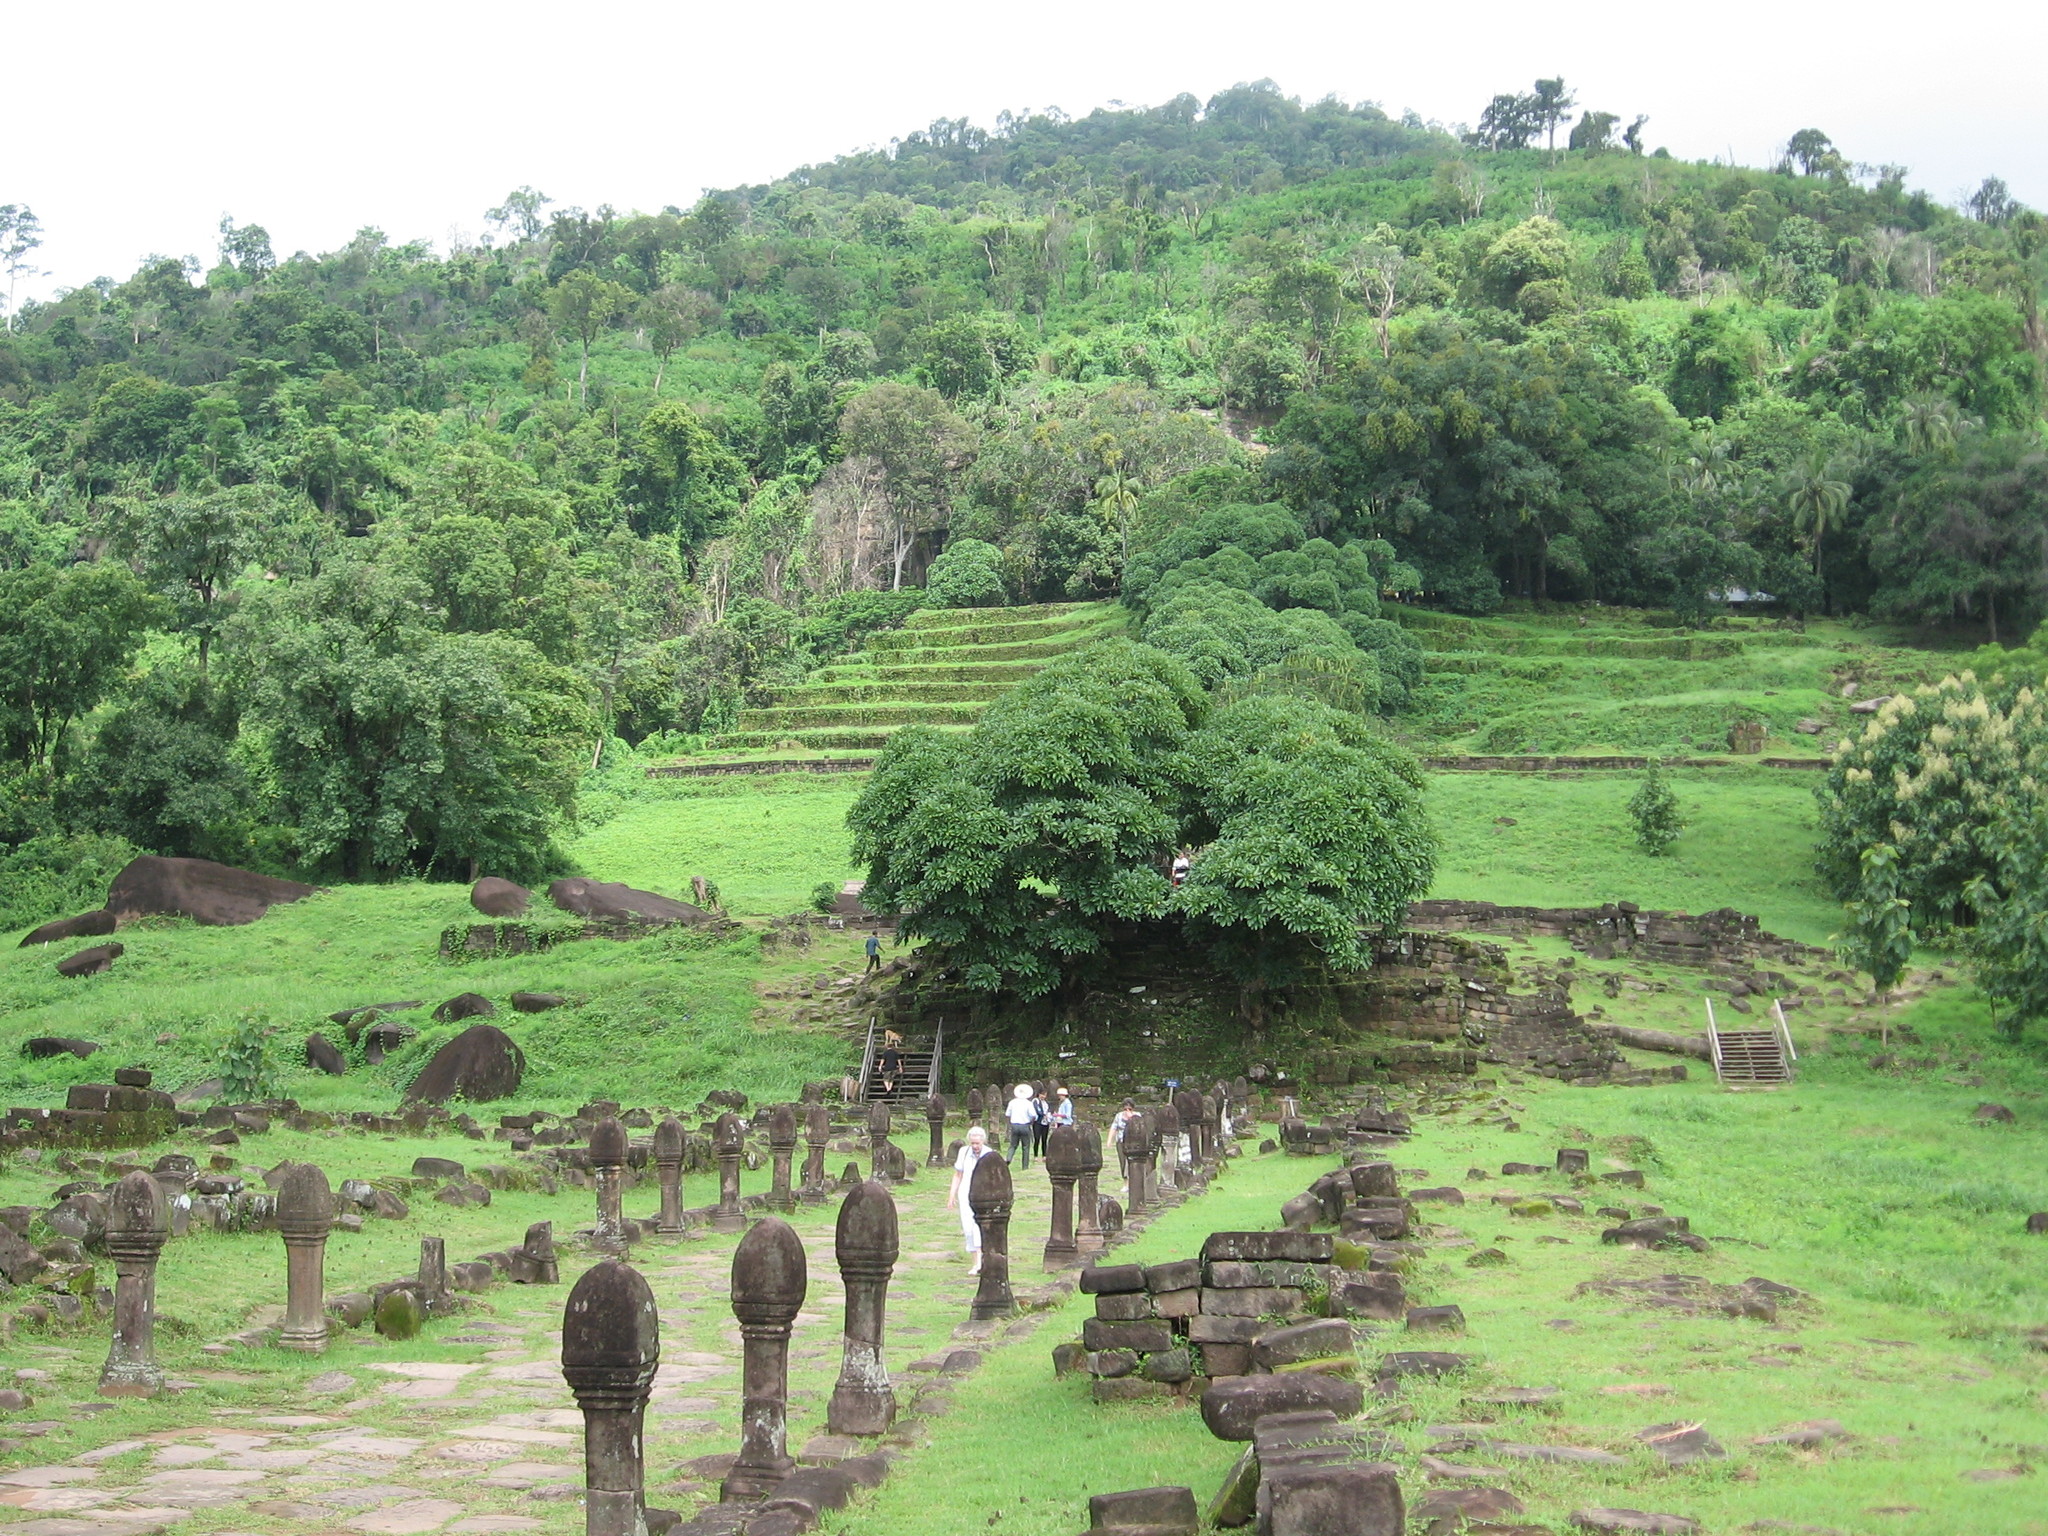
(611, 1348)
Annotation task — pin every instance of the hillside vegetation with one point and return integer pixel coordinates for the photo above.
(350, 562)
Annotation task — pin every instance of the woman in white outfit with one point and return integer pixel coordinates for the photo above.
(974, 1151)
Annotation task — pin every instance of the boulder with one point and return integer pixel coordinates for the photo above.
(480, 1064)
(1233, 1405)
(90, 962)
(348, 1016)
(323, 1056)
(499, 898)
(536, 1002)
(1987, 1114)
(605, 900)
(43, 1047)
(465, 1005)
(2038, 1223)
(86, 925)
(19, 1263)
(214, 895)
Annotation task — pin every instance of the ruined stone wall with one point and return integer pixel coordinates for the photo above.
(1618, 928)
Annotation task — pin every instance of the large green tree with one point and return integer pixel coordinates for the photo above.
(389, 746)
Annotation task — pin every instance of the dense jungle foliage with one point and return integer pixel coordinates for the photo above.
(350, 562)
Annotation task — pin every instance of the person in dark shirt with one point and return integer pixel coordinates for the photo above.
(890, 1065)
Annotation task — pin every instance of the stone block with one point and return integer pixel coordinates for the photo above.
(1167, 1509)
(1377, 1296)
(1299, 1247)
(1124, 1307)
(1302, 1341)
(1110, 1363)
(1221, 1360)
(1231, 1407)
(1177, 1304)
(1448, 1319)
(1112, 1279)
(1170, 1366)
(1358, 1499)
(1251, 1303)
(1180, 1275)
(1420, 1362)
(1233, 1274)
(1209, 1328)
(1143, 1337)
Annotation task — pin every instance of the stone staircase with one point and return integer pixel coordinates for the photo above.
(942, 668)
(1752, 1058)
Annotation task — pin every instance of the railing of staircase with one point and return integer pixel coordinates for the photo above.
(867, 1063)
(1785, 1038)
(931, 1084)
(1713, 1041)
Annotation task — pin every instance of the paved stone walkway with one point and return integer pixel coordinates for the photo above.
(391, 1441)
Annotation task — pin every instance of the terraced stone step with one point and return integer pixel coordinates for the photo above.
(813, 695)
(812, 740)
(842, 716)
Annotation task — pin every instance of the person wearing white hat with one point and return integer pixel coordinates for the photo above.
(1023, 1115)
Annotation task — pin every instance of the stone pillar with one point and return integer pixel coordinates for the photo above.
(433, 1287)
(935, 1120)
(975, 1105)
(989, 1196)
(1166, 1137)
(669, 1146)
(1138, 1156)
(878, 1143)
(768, 1285)
(608, 1168)
(1063, 1167)
(863, 1402)
(138, 1221)
(728, 1139)
(782, 1152)
(611, 1344)
(817, 1131)
(1188, 1105)
(1088, 1230)
(1212, 1134)
(305, 1215)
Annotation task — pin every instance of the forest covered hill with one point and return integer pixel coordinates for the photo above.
(350, 562)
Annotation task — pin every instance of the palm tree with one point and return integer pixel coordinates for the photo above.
(1116, 498)
(1931, 426)
(1818, 502)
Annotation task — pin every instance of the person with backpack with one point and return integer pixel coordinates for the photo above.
(1041, 1126)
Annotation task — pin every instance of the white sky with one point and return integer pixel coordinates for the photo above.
(131, 128)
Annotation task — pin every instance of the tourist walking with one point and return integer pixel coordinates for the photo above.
(874, 949)
(1023, 1117)
(974, 1150)
(890, 1065)
(1041, 1127)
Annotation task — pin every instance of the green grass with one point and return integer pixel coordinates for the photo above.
(675, 1004)
(1748, 844)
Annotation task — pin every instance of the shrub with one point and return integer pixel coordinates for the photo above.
(1654, 810)
(967, 574)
